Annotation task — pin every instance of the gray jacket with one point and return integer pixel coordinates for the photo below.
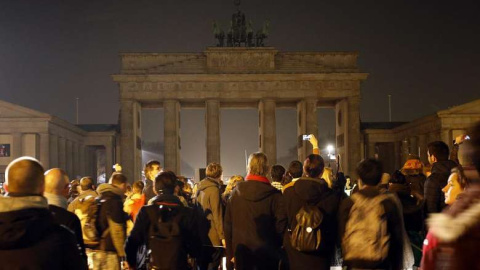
(211, 216)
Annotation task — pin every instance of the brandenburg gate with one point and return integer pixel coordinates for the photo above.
(239, 77)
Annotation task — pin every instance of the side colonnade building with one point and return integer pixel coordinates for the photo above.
(79, 150)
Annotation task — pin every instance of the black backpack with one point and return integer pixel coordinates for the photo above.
(306, 236)
(166, 249)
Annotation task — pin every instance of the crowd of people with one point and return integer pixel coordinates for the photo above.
(424, 216)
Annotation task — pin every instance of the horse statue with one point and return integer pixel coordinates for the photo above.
(218, 34)
(262, 34)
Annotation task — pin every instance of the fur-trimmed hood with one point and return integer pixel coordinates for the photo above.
(463, 215)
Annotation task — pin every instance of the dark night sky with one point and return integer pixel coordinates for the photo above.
(424, 53)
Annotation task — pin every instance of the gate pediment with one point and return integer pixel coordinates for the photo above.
(10, 110)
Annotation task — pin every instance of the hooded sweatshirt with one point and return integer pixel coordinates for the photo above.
(30, 239)
(211, 219)
(111, 217)
(434, 197)
(313, 192)
(255, 220)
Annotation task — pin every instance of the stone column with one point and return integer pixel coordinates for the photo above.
(171, 109)
(371, 150)
(413, 149)
(130, 139)
(446, 136)
(398, 154)
(405, 150)
(307, 123)
(267, 130)
(212, 124)
(62, 153)
(69, 159)
(109, 160)
(16, 150)
(422, 145)
(83, 159)
(45, 150)
(53, 141)
(353, 134)
(76, 159)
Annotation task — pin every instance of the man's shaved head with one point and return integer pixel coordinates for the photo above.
(56, 182)
(86, 183)
(25, 175)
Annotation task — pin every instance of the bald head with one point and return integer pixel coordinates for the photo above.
(25, 175)
(56, 182)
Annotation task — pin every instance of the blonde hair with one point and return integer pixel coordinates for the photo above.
(328, 176)
(232, 183)
(214, 170)
(257, 164)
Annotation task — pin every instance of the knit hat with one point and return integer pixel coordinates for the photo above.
(413, 164)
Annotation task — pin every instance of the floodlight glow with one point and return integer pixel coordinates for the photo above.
(330, 148)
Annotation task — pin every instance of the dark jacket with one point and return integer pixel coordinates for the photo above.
(255, 221)
(313, 192)
(144, 229)
(148, 190)
(30, 238)
(412, 207)
(434, 197)
(211, 216)
(416, 183)
(458, 232)
(394, 260)
(111, 217)
(71, 221)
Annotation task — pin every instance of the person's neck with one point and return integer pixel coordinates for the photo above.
(56, 199)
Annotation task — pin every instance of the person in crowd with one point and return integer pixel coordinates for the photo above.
(294, 172)
(327, 175)
(135, 201)
(371, 224)
(414, 175)
(128, 191)
(462, 188)
(441, 166)
(186, 189)
(74, 190)
(383, 185)
(310, 195)
(412, 209)
(232, 183)
(211, 220)
(87, 189)
(150, 229)
(455, 186)
(29, 236)
(152, 168)
(83, 206)
(277, 172)
(111, 224)
(56, 192)
(179, 192)
(255, 219)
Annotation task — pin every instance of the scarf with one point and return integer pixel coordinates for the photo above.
(258, 178)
